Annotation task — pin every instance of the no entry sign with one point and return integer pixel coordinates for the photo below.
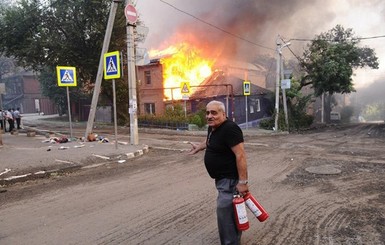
(131, 14)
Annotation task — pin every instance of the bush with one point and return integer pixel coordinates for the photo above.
(196, 119)
(173, 118)
(267, 123)
(296, 121)
(199, 118)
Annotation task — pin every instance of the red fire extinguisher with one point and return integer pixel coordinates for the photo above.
(240, 213)
(255, 207)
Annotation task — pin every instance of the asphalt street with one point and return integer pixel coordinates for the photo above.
(26, 156)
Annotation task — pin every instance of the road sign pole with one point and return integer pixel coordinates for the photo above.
(115, 117)
(69, 110)
(112, 71)
(132, 87)
(246, 92)
(132, 109)
(66, 76)
(247, 113)
(185, 108)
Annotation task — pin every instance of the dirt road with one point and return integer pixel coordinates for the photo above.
(322, 187)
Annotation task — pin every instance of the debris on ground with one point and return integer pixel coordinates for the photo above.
(56, 140)
(102, 139)
(63, 161)
(103, 157)
(5, 171)
(92, 137)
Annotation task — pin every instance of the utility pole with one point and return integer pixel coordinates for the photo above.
(278, 42)
(278, 75)
(131, 15)
(284, 95)
(322, 107)
(99, 76)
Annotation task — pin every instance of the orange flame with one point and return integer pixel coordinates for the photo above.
(182, 63)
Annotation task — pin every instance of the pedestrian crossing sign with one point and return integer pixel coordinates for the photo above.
(246, 88)
(111, 65)
(185, 88)
(66, 76)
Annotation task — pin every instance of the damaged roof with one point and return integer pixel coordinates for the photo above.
(220, 84)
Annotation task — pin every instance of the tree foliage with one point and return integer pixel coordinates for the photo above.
(6, 66)
(41, 35)
(331, 58)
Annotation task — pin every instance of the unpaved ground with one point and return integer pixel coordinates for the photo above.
(166, 197)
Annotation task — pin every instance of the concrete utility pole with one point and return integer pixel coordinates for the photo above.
(277, 85)
(98, 82)
(284, 95)
(279, 74)
(133, 106)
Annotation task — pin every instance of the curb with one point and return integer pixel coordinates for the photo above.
(48, 173)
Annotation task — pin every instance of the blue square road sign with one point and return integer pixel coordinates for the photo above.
(111, 65)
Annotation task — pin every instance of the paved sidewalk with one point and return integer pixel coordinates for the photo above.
(25, 157)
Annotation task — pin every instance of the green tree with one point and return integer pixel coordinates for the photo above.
(50, 89)
(6, 66)
(330, 60)
(41, 35)
(297, 104)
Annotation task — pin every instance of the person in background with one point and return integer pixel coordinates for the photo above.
(2, 122)
(17, 117)
(225, 161)
(9, 118)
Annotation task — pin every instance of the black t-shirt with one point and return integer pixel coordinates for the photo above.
(219, 159)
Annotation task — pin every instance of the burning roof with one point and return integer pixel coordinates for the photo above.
(185, 62)
(222, 84)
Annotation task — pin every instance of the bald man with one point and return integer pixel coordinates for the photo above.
(225, 161)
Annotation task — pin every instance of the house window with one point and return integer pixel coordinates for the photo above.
(147, 77)
(255, 106)
(149, 108)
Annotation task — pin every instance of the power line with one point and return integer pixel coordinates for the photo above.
(309, 40)
(356, 38)
(374, 37)
(218, 28)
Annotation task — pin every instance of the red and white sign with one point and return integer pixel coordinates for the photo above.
(131, 14)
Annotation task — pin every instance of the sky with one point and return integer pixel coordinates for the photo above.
(243, 29)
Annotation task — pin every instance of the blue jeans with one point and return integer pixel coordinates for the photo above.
(228, 231)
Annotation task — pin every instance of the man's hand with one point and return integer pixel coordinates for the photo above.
(196, 147)
(242, 189)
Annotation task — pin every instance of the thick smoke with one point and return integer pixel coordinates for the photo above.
(250, 27)
(242, 29)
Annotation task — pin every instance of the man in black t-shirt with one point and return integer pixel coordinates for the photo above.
(225, 161)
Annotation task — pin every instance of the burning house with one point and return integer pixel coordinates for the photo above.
(160, 85)
(228, 88)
